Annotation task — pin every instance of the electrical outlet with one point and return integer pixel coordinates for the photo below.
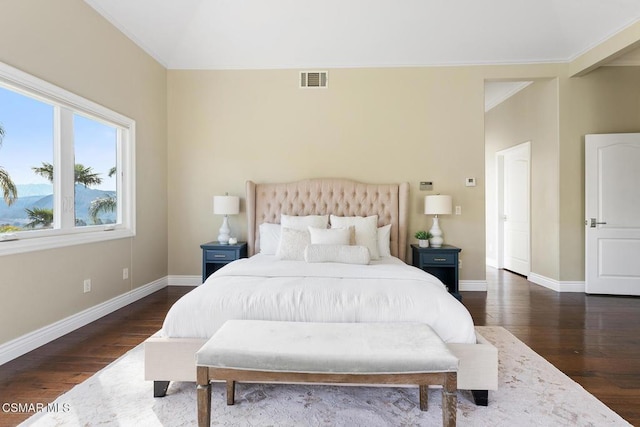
(87, 285)
(459, 262)
(458, 210)
(125, 273)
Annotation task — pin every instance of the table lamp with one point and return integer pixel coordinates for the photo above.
(225, 205)
(437, 205)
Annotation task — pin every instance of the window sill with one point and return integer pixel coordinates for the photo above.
(12, 247)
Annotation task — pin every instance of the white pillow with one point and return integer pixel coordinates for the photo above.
(292, 244)
(329, 236)
(366, 230)
(302, 222)
(384, 240)
(269, 238)
(337, 253)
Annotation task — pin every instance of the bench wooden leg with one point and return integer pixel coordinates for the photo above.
(231, 392)
(424, 398)
(204, 397)
(450, 400)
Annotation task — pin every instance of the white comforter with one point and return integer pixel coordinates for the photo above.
(265, 288)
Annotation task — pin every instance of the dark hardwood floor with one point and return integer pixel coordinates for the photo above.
(47, 372)
(593, 339)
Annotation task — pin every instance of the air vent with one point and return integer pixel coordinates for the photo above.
(314, 79)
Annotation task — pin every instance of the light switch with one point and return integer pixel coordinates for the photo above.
(470, 182)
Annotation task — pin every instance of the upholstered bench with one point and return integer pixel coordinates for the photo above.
(353, 353)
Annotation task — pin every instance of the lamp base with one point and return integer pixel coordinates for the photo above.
(436, 240)
(224, 234)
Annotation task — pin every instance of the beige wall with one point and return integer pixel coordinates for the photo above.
(373, 125)
(530, 115)
(67, 43)
(377, 125)
(606, 100)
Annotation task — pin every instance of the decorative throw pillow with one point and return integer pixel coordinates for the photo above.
(366, 230)
(292, 244)
(329, 236)
(269, 238)
(337, 253)
(384, 240)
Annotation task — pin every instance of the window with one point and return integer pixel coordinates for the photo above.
(66, 167)
(95, 172)
(27, 141)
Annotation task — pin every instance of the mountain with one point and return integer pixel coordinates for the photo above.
(28, 199)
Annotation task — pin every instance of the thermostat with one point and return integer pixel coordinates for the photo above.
(426, 185)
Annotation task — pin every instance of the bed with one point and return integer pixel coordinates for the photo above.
(279, 283)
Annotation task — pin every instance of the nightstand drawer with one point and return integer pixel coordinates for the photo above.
(219, 255)
(216, 256)
(443, 258)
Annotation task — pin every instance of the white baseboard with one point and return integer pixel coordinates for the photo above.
(556, 285)
(185, 280)
(473, 285)
(24, 344)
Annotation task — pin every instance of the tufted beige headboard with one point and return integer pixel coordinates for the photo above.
(342, 197)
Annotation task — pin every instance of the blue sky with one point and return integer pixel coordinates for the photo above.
(28, 140)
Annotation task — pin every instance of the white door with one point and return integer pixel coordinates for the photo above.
(515, 216)
(612, 207)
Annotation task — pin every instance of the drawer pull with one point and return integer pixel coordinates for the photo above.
(439, 259)
(219, 256)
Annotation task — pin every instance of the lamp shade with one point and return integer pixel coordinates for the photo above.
(226, 205)
(437, 205)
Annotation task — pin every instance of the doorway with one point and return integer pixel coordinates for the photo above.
(514, 223)
(503, 128)
(531, 116)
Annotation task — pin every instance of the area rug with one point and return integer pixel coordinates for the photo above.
(532, 392)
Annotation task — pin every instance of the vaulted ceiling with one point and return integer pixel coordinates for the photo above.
(250, 34)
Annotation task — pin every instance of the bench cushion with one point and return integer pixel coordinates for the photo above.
(306, 347)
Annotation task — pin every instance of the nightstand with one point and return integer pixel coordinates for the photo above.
(441, 262)
(215, 255)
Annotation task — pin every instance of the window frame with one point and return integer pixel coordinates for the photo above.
(66, 104)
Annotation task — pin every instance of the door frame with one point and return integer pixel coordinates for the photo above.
(500, 201)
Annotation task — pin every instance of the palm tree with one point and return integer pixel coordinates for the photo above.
(85, 176)
(39, 217)
(82, 175)
(102, 204)
(9, 190)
